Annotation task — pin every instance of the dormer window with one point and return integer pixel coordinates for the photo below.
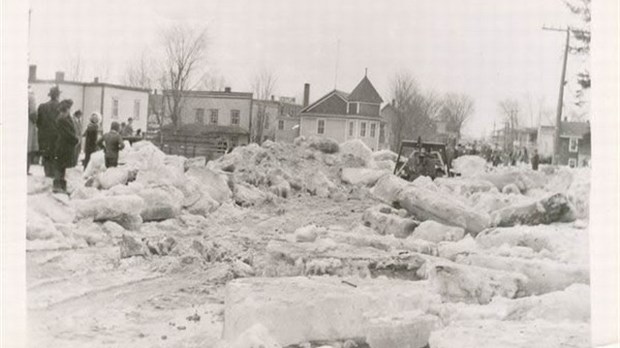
(353, 108)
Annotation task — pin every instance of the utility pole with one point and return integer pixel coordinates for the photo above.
(558, 119)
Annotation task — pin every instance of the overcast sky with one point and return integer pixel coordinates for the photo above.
(488, 49)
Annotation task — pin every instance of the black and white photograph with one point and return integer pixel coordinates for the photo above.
(311, 174)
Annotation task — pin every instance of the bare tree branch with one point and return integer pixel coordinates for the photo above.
(141, 72)
(415, 110)
(456, 110)
(184, 53)
(74, 67)
(263, 85)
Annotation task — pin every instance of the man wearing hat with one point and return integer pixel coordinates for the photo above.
(46, 124)
(64, 148)
(91, 134)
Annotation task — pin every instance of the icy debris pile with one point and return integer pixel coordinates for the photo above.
(499, 248)
(413, 265)
(469, 166)
(149, 185)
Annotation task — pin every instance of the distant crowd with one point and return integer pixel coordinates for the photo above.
(56, 137)
(497, 156)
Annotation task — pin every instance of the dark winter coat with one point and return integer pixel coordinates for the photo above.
(66, 141)
(46, 123)
(33, 141)
(90, 143)
(113, 143)
(535, 160)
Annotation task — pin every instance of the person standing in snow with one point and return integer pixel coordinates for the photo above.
(535, 160)
(90, 141)
(77, 121)
(112, 143)
(46, 124)
(33, 145)
(64, 146)
(127, 131)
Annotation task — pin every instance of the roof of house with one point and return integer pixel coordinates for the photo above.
(365, 92)
(214, 94)
(341, 94)
(91, 84)
(574, 129)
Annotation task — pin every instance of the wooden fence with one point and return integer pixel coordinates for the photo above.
(190, 145)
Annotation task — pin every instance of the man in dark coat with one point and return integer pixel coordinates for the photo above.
(112, 143)
(33, 142)
(91, 134)
(64, 147)
(127, 131)
(46, 124)
(535, 160)
(77, 121)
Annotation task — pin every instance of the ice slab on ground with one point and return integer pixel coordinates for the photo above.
(303, 309)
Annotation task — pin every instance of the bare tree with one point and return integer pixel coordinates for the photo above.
(185, 49)
(510, 110)
(456, 110)
(102, 71)
(414, 110)
(213, 81)
(263, 85)
(140, 72)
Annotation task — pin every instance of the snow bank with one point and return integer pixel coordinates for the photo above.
(357, 149)
(384, 155)
(469, 166)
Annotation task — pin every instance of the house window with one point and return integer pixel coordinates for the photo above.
(573, 145)
(234, 117)
(213, 113)
(373, 127)
(320, 127)
(115, 108)
(351, 128)
(266, 121)
(363, 129)
(136, 109)
(572, 162)
(382, 133)
(200, 116)
(353, 108)
(280, 124)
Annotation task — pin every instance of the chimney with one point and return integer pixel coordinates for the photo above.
(394, 102)
(565, 119)
(273, 98)
(306, 94)
(227, 89)
(96, 80)
(60, 76)
(32, 73)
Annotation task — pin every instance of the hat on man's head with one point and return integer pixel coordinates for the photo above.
(54, 91)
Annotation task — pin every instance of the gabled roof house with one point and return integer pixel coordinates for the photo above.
(344, 116)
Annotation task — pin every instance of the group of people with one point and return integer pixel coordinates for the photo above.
(513, 157)
(55, 135)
